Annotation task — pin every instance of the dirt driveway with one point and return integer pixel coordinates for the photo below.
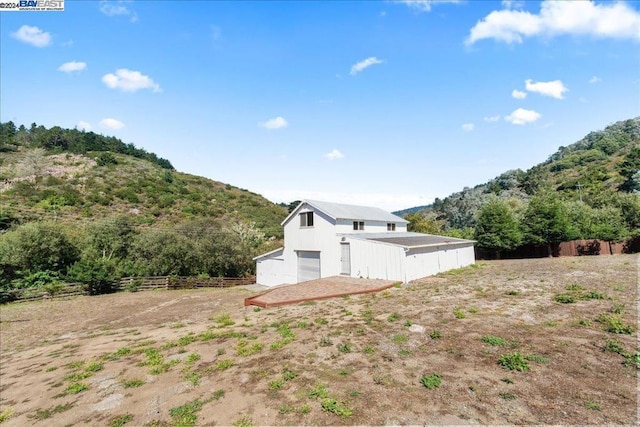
(437, 351)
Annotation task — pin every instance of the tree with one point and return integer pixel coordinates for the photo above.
(545, 220)
(37, 246)
(110, 239)
(164, 253)
(424, 222)
(497, 227)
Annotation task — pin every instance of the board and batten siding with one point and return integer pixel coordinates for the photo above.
(376, 260)
(270, 268)
(423, 262)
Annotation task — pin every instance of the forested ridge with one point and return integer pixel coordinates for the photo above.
(76, 206)
(586, 190)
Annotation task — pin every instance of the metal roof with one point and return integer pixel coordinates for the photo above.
(410, 240)
(351, 212)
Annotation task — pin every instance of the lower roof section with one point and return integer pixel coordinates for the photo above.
(410, 240)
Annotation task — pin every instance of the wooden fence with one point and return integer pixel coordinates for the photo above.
(570, 248)
(131, 284)
(180, 282)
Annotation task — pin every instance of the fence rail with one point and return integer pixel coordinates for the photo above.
(132, 284)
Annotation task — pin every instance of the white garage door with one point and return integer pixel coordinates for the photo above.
(308, 265)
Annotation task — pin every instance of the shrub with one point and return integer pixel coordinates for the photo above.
(514, 361)
(495, 341)
(614, 324)
(331, 405)
(97, 275)
(431, 381)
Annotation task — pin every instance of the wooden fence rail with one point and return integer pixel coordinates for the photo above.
(132, 284)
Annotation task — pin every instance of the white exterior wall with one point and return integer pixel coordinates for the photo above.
(423, 262)
(270, 269)
(372, 260)
(321, 237)
(346, 226)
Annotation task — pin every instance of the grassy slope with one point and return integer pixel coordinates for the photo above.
(71, 187)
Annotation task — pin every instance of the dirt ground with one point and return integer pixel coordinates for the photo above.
(200, 358)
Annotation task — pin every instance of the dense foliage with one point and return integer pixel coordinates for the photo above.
(80, 207)
(39, 253)
(587, 190)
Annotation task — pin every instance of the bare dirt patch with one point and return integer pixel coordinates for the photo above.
(425, 353)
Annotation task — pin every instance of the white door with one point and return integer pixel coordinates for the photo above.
(308, 265)
(345, 259)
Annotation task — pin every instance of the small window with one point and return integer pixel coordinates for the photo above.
(358, 225)
(306, 219)
(391, 226)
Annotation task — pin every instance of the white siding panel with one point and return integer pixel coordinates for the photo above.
(376, 261)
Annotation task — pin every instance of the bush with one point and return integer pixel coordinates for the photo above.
(97, 275)
(514, 361)
(431, 381)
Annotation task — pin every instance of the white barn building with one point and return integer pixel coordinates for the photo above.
(324, 239)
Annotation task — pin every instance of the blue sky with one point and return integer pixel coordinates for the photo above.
(388, 103)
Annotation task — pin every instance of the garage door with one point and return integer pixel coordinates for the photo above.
(308, 265)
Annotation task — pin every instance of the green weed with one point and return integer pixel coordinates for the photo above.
(185, 415)
(514, 361)
(78, 387)
(431, 381)
(494, 340)
(319, 391)
(223, 365)
(121, 420)
(614, 324)
(331, 405)
(132, 383)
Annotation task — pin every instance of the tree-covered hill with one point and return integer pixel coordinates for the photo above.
(71, 175)
(80, 207)
(592, 185)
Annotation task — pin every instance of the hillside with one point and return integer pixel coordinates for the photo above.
(600, 171)
(71, 175)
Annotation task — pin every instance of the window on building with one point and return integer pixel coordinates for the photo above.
(358, 225)
(391, 226)
(306, 219)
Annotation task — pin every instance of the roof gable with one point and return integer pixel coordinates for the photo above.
(351, 212)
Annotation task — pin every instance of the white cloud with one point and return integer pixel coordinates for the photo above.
(82, 125)
(129, 81)
(334, 155)
(275, 123)
(468, 127)
(518, 94)
(512, 4)
(604, 20)
(522, 116)
(33, 36)
(69, 67)
(554, 88)
(491, 119)
(117, 8)
(595, 79)
(424, 5)
(362, 65)
(112, 124)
